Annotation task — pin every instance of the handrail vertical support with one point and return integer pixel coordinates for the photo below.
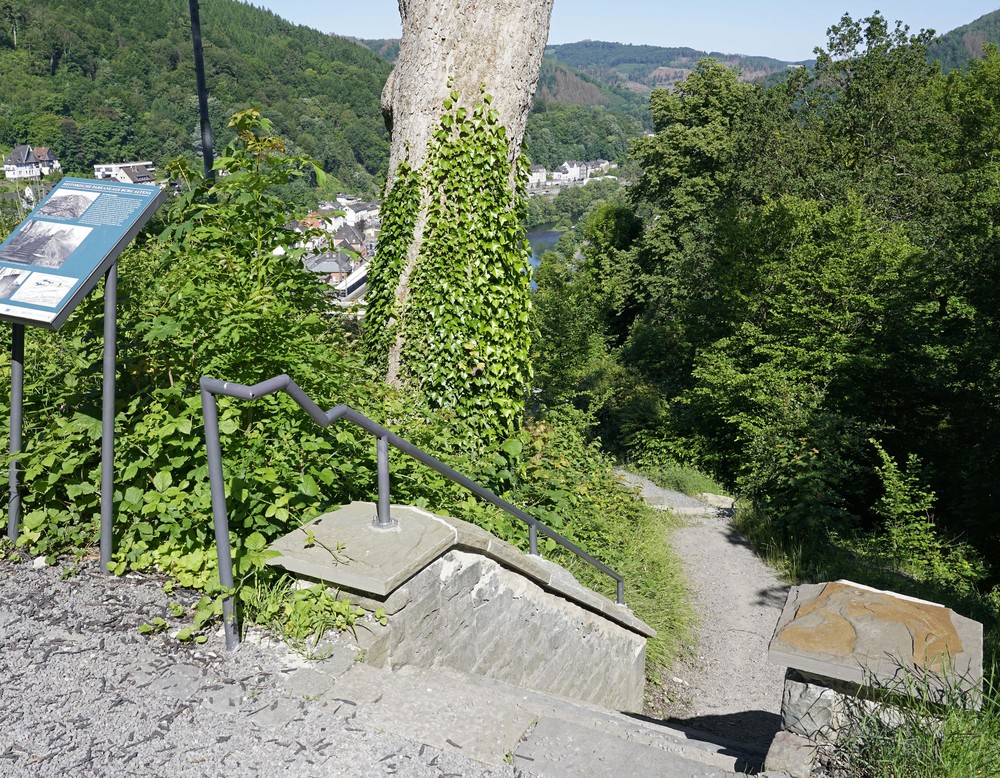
(532, 540)
(220, 517)
(621, 592)
(383, 519)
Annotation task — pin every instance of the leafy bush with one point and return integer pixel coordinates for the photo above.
(909, 536)
(211, 297)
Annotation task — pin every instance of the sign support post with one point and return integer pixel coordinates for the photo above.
(48, 265)
(16, 416)
(108, 415)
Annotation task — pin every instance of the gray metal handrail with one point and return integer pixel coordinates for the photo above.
(211, 387)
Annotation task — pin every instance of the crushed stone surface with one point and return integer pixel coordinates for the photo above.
(82, 693)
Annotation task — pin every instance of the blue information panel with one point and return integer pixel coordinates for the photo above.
(59, 252)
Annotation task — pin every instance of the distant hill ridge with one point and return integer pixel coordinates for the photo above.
(643, 68)
(957, 48)
(569, 67)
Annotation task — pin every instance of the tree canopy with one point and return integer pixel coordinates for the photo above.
(811, 289)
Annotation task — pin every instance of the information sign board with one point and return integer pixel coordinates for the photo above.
(59, 252)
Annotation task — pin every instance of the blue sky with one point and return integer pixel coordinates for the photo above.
(775, 28)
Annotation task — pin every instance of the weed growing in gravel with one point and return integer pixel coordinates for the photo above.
(681, 478)
(929, 733)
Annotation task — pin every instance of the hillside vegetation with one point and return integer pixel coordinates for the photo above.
(107, 81)
(798, 294)
(964, 44)
(643, 68)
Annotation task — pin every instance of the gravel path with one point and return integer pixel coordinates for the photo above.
(726, 687)
(83, 694)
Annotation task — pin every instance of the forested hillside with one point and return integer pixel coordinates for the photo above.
(957, 48)
(642, 68)
(574, 116)
(110, 80)
(799, 294)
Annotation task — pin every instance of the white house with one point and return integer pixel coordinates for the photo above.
(126, 172)
(598, 166)
(570, 171)
(537, 175)
(46, 160)
(25, 162)
(360, 212)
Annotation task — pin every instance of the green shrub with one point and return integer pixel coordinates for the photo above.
(211, 297)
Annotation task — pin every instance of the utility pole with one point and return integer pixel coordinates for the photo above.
(199, 70)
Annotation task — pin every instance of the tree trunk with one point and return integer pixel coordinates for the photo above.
(454, 53)
(496, 43)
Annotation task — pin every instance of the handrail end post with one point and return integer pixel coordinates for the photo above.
(621, 591)
(383, 517)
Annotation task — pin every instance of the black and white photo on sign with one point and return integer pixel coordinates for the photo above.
(10, 280)
(44, 244)
(68, 204)
(43, 289)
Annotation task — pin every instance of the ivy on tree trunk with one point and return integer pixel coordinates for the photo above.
(448, 301)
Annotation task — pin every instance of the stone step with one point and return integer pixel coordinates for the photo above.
(495, 723)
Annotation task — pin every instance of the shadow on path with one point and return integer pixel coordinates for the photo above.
(729, 733)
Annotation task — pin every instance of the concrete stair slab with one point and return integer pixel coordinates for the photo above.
(421, 707)
(560, 749)
(544, 734)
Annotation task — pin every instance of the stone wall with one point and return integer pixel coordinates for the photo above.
(466, 612)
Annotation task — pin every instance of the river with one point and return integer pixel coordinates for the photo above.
(540, 242)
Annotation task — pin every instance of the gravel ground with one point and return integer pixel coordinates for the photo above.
(725, 686)
(83, 694)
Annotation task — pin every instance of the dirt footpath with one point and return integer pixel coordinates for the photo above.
(726, 685)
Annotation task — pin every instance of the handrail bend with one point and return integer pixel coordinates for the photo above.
(211, 388)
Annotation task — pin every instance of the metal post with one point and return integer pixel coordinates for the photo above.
(220, 517)
(207, 152)
(532, 540)
(16, 426)
(108, 416)
(621, 592)
(383, 520)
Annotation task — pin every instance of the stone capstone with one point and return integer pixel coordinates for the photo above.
(845, 631)
(344, 548)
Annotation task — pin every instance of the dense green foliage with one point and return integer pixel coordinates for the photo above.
(958, 47)
(109, 81)
(461, 326)
(569, 204)
(557, 133)
(209, 297)
(813, 270)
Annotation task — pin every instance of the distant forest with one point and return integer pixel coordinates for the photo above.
(962, 45)
(107, 80)
(100, 81)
